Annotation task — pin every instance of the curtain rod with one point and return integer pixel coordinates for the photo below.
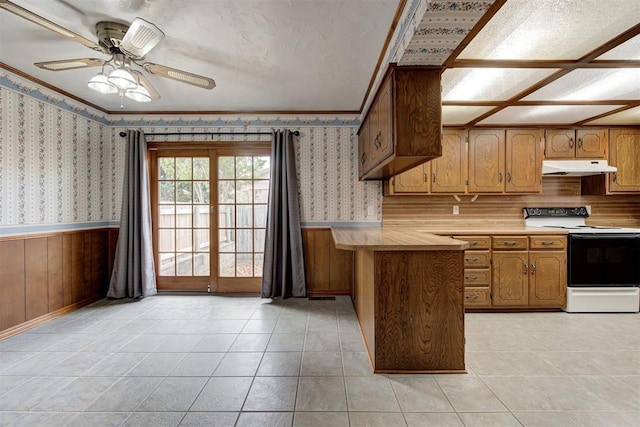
(123, 134)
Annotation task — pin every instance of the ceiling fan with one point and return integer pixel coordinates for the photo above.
(127, 45)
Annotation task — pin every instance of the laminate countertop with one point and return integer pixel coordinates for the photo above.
(491, 229)
(393, 239)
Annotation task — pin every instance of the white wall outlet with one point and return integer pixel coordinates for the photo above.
(456, 209)
(588, 207)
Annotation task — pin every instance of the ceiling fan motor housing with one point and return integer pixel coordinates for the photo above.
(110, 35)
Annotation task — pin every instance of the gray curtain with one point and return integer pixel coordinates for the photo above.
(283, 273)
(133, 274)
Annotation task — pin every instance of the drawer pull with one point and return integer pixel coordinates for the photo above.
(473, 243)
(471, 296)
(547, 242)
(471, 259)
(471, 277)
(509, 243)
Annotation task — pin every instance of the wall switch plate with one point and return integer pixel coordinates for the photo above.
(456, 209)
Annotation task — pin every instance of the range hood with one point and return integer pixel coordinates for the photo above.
(576, 167)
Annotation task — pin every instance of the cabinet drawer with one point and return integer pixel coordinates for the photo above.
(510, 242)
(547, 242)
(476, 242)
(475, 259)
(477, 297)
(474, 277)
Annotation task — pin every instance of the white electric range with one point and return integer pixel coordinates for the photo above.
(603, 263)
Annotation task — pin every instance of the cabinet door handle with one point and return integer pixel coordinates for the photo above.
(615, 177)
(471, 277)
(509, 243)
(579, 142)
(533, 268)
(425, 177)
(525, 268)
(499, 176)
(571, 143)
(471, 259)
(434, 177)
(363, 158)
(471, 296)
(508, 176)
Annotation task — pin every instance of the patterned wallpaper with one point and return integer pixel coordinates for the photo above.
(61, 165)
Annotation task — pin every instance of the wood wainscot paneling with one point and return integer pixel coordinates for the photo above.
(329, 271)
(47, 275)
(619, 210)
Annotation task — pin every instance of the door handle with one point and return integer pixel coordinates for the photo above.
(508, 176)
(579, 142)
(571, 143)
(525, 268)
(499, 176)
(533, 268)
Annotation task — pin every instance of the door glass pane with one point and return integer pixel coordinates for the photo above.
(242, 213)
(183, 216)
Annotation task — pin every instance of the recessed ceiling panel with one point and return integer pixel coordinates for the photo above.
(546, 114)
(626, 117)
(590, 85)
(482, 84)
(627, 50)
(551, 29)
(453, 115)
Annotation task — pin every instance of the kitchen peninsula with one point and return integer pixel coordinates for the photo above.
(409, 297)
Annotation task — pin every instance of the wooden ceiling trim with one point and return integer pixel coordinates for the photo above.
(613, 43)
(493, 9)
(609, 113)
(540, 63)
(539, 102)
(392, 29)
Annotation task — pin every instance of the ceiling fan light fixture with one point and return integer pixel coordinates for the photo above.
(122, 79)
(139, 94)
(100, 83)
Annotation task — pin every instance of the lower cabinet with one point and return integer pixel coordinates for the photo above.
(521, 271)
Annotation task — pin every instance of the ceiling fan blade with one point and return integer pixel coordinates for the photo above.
(179, 75)
(144, 82)
(140, 38)
(37, 19)
(69, 64)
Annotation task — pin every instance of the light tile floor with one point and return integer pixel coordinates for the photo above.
(229, 360)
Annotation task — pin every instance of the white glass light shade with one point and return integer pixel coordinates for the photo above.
(139, 94)
(123, 79)
(101, 84)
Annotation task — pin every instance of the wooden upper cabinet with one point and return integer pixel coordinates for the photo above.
(486, 160)
(414, 180)
(523, 161)
(592, 143)
(449, 172)
(404, 123)
(575, 143)
(625, 155)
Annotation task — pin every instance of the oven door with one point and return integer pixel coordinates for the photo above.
(602, 260)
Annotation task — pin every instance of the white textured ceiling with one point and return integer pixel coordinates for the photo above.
(265, 55)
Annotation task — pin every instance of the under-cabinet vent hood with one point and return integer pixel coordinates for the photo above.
(576, 167)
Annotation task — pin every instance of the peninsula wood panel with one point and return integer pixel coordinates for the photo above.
(621, 210)
(419, 325)
(49, 273)
(328, 271)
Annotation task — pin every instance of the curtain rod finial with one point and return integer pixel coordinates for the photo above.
(296, 133)
(123, 134)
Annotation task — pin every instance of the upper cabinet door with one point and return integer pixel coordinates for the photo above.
(591, 143)
(523, 161)
(415, 180)
(486, 160)
(560, 144)
(384, 109)
(449, 172)
(625, 155)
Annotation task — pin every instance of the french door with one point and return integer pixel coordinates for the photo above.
(209, 210)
